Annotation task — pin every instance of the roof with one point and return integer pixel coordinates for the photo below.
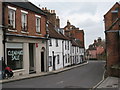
(55, 34)
(74, 43)
(27, 5)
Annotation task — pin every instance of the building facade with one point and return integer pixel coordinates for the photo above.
(112, 33)
(25, 45)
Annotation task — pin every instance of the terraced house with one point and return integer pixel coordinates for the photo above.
(59, 44)
(25, 46)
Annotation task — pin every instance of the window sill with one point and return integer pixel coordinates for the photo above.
(38, 34)
(24, 32)
(18, 70)
(12, 30)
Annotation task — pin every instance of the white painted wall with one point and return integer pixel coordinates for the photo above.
(67, 53)
(57, 51)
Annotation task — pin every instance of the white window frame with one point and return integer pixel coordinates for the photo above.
(38, 23)
(11, 16)
(24, 22)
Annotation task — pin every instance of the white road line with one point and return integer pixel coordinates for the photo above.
(100, 81)
(60, 82)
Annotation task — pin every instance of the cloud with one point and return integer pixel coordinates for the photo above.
(85, 14)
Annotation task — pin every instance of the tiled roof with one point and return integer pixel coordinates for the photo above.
(54, 34)
(27, 5)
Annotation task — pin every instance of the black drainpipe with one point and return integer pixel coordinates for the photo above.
(4, 32)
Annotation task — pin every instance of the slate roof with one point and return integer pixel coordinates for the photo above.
(28, 6)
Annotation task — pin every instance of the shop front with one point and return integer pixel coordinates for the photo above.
(25, 55)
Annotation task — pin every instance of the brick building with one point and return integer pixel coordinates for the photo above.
(25, 47)
(96, 50)
(112, 33)
(74, 33)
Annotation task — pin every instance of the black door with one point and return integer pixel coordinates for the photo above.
(53, 62)
(42, 61)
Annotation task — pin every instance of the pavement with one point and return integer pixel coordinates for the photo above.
(110, 83)
(40, 74)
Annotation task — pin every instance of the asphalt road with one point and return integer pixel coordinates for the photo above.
(81, 77)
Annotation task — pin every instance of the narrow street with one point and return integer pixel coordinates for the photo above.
(81, 77)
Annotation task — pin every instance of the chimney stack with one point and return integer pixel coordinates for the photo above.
(57, 22)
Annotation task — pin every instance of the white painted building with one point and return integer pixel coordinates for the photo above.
(59, 50)
(66, 53)
(77, 53)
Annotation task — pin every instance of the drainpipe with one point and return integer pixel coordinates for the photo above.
(4, 34)
(47, 47)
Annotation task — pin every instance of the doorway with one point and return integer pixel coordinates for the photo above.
(31, 58)
(42, 62)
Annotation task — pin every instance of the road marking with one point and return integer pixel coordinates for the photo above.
(99, 82)
(60, 82)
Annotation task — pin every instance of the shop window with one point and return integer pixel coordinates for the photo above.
(15, 56)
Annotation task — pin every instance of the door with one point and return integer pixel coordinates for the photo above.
(53, 62)
(42, 61)
(31, 58)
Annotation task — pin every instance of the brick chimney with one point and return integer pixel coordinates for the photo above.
(57, 22)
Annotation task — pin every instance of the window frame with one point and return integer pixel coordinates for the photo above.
(24, 21)
(12, 12)
(38, 25)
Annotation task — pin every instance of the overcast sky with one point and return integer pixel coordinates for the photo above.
(85, 14)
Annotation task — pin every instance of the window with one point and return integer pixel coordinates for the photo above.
(11, 19)
(68, 45)
(56, 43)
(50, 42)
(37, 24)
(114, 15)
(65, 45)
(50, 60)
(68, 58)
(15, 55)
(24, 21)
(65, 58)
(58, 59)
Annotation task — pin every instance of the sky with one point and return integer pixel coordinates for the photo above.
(87, 15)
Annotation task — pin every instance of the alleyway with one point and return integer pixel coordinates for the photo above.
(81, 77)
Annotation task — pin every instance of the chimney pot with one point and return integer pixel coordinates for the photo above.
(45, 8)
(42, 8)
(53, 11)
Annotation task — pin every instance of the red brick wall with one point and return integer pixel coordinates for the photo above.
(112, 49)
(108, 18)
(31, 22)
(112, 40)
(79, 34)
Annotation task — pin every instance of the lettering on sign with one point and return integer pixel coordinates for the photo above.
(15, 54)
